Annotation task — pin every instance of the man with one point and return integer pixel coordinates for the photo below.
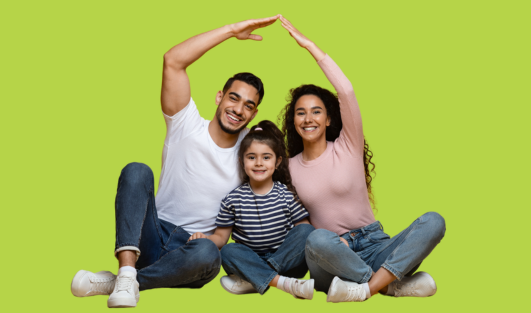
(199, 167)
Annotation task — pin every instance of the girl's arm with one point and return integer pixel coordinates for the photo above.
(350, 112)
(220, 236)
(303, 221)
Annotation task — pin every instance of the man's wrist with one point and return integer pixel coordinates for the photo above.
(228, 30)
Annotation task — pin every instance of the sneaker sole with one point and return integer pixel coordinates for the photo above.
(236, 293)
(122, 303)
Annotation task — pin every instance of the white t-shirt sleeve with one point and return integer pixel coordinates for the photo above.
(184, 123)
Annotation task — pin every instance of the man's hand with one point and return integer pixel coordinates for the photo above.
(243, 30)
(344, 241)
(197, 236)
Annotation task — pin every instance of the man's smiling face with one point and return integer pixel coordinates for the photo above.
(236, 107)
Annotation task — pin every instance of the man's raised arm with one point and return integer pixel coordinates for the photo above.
(175, 93)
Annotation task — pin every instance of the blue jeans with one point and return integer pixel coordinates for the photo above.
(166, 258)
(260, 268)
(369, 249)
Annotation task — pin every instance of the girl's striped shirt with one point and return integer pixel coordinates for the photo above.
(260, 222)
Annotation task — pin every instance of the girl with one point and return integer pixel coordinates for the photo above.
(268, 222)
(349, 256)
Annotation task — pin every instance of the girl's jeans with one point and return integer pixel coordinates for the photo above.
(369, 249)
(166, 258)
(260, 268)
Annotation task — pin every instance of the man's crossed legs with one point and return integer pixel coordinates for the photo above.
(165, 258)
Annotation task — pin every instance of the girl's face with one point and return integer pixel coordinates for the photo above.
(311, 118)
(260, 162)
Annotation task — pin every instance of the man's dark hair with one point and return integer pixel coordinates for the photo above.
(249, 79)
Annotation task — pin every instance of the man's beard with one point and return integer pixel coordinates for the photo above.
(228, 130)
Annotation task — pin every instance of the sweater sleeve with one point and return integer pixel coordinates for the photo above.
(352, 131)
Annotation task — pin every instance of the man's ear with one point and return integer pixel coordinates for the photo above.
(219, 96)
(254, 114)
(279, 160)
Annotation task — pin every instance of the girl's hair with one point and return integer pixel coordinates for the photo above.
(273, 138)
(294, 143)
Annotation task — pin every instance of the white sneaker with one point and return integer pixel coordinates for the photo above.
(236, 285)
(301, 289)
(421, 284)
(345, 291)
(125, 294)
(87, 284)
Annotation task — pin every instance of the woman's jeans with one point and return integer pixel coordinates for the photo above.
(369, 249)
(260, 268)
(166, 258)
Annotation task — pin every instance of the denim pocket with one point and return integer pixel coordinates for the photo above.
(377, 236)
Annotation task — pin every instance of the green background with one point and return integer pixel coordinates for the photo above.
(444, 93)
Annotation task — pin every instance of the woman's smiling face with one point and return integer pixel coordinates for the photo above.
(311, 118)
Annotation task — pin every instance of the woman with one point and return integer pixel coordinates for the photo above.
(349, 255)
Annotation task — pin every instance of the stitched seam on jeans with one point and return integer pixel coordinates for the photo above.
(325, 261)
(275, 264)
(393, 271)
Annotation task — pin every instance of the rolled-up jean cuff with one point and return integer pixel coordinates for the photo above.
(127, 248)
(274, 264)
(366, 277)
(262, 289)
(393, 271)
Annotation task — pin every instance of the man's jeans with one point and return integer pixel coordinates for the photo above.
(166, 258)
(260, 268)
(369, 249)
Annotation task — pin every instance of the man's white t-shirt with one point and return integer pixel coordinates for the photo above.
(196, 173)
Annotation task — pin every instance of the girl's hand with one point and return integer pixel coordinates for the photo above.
(300, 38)
(197, 236)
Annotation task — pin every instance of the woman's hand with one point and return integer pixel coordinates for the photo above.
(243, 30)
(344, 241)
(304, 42)
(297, 35)
(197, 236)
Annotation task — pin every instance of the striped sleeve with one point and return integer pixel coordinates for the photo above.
(297, 210)
(226, 214)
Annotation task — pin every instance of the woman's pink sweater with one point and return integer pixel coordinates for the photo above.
(332, 187)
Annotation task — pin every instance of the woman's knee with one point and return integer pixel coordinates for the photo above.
(435, 223)
(319, 240)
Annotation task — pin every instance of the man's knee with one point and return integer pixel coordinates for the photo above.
(206, 253)
(136, 172)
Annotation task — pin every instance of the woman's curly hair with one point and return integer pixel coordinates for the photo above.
(294, 143)
(274, 139)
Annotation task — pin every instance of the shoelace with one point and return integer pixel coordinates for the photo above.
(124, 283)
(102, 285)
(356, 293)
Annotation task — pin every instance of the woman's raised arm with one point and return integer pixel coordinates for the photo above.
(352, 130)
